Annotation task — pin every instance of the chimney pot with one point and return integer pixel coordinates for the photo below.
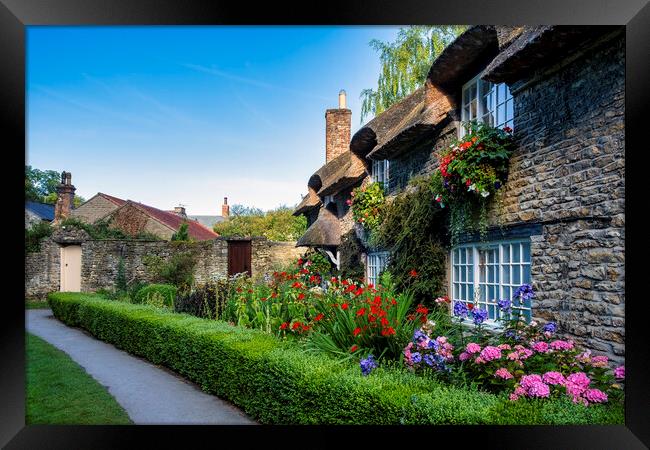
(225, 209)
(65, 198)
(342, 99)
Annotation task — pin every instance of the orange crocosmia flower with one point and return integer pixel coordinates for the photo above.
(274, 295)
(358, 292)
(393, 301)
(384, 321)
(345, 306)
(370, 286)
(301, 296)
(319, 317)
(361, 312)
(388, 331)
(354, 348)
(413, 273)
(422, 309)
(371, 318)
(263, 299)
(284, 326)
(377, 300)
(296, 325)
(356, 331)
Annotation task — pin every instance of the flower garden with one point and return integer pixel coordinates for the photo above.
(306, 338)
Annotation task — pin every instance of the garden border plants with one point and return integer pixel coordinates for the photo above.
(277, 382)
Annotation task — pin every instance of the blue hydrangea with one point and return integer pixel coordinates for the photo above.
(419, 336)
(460, 309)
(434, 344)
(416, 357)
(550, 327)
(428, 360)
(479, 315)
(368, 364)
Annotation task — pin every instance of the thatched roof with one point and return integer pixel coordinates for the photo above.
(339, 173)
(541, 45)
(309, 202)
(324, 232)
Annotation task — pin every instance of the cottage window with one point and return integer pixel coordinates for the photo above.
(380, 172)
(487, 102)
(485, 273)
(377, 262)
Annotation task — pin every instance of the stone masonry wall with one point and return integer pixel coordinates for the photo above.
(268, 256)
(43, 270)
(93, 210)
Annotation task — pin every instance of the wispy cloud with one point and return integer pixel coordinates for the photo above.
(249, 81)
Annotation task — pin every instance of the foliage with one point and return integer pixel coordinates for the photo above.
(59, 391)
(405, 64)
(102, 230)
(40, 186)
(276, 382)
(315, 262)
(36, 304)
(159, 295)
(414, 231)
(368, 204)
(207, 300)
(350, 266)
(182, 234)
(470, 170)
(35, 234)
(178, 269)
(277, 225)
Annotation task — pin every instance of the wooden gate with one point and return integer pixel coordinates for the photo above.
(71, 268)
(239, 257)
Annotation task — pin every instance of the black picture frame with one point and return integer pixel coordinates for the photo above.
(15, 15)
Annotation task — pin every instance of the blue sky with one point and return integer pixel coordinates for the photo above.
(188, 115)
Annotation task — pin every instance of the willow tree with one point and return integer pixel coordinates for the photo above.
(405, 64)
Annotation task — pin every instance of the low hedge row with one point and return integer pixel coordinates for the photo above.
(276, 382)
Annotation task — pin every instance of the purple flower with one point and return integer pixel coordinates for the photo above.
(368, 364)
(428, 360)
(418, 336)
(479, 315)
(553, 378)
(595, 396)
(504, 305)
(416, 357)
(525, 292)
(460, 309)
(551, 327)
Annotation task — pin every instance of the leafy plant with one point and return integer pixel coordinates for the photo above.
(207, 300)
(120, 279)
(102, 230)
(159, 295)
(35, 234)
(182, 234)
(277, 225)
(367, 204)
(177, 270)
(470, 171)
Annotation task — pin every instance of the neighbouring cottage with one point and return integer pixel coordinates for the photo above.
(127, 215)
(561, 89)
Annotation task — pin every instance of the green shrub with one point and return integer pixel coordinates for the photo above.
(177, 270)
(207, 300)
(34, 236)
(276, 382)
(159, 295)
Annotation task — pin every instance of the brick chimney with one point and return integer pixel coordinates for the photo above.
(337, 129)
(65, 198)
(225, 209)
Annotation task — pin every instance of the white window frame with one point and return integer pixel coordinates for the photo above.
(498, 99)
(328, 199)
(504, 288)
(376, 262)
(380, 172)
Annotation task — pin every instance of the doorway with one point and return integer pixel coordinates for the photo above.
(71, 268)
(239, 257)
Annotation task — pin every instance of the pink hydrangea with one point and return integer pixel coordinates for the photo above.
(539, 390)
(561, 345)
(445, 348)
(619, 372)
(463, 356)
(479, 360)
(584, 357)
(540, 347)
(529, 380)
(513, 356)
(503, 373)
(599, 361)
(595, 396)
(579, 378)
(504, 347)
(490, 353)
(553, 378)
(513, 397)
(472, 348)
(525, 353)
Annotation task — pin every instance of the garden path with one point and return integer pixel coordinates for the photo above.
(149, 394)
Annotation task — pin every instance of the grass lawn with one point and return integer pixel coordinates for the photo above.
(36, 304)
(59, 391)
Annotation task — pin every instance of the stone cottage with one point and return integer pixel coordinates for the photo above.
(561, 90)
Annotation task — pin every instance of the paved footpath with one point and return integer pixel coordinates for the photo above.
(149, 394)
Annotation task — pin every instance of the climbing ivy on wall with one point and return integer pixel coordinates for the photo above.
(414, 230)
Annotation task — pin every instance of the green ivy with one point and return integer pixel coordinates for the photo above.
(367, 205)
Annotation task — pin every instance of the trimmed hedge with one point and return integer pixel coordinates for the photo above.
(277, 382)
(156, 294)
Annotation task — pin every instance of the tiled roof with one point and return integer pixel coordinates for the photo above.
(194, 229)
(43, 210)
(207, 221)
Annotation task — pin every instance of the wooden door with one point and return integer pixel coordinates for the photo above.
(71, 268)
(239, 257)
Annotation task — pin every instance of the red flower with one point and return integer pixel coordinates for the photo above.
(422, 309)
(345, 282)
(361, 312)
(388, 331)
(507, 129)
(344, 306)
(284, 326)
(468, 182)
(377, 300)
(304, 271)
(413, 273)
(410, 317)
(370, 285)
(263, 299)
(356, 332)
(333, 280)
(354, 348)
(319, 317)
(301, 296)
(384, 321)
(239, 289)
(348, 202)
(393, 301)
(470, 306)
(274, 295)
(299, 261)
(296, 325)
(371, 318)
(296, 284)
(250, 291)
(358, 292)
(305, 328)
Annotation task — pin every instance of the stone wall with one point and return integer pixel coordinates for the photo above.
(100, 260)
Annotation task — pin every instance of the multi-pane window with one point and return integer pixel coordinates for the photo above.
(377, 262)
(380, 172)
(488, 103)
(486, 273)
